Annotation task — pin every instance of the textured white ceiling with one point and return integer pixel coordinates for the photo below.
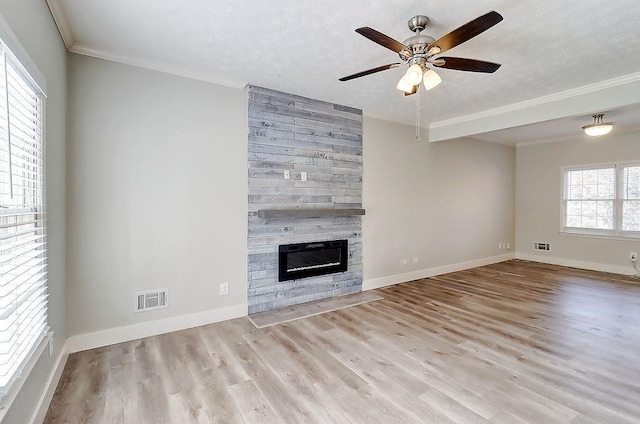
(304, 46)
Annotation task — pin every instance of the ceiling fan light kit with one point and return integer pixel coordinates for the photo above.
(414, 74)
(598, 127)
(403, 85)
(430, 79)
(419, 52)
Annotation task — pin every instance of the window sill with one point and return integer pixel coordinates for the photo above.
(634, 238)
(7, 400)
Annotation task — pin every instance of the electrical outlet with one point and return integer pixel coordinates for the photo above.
(633, 256)
(499, 245)
(303, 176)
(224, 289)
(508, 246)
(286, 174)
(415, 259)
(404, 262)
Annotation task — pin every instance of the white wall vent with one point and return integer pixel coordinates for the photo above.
(541, 246)
(153, 299)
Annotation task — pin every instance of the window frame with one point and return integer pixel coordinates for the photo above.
(617, 232)
(30, 76)
(621, 199)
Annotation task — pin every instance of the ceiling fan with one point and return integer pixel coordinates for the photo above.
(420, 51)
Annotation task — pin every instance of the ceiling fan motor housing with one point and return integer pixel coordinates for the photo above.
(418, 44)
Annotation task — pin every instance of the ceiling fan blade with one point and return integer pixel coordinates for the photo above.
(462, 64)
(414, 90)
(383, 40)
(467, 31)
(370, 71)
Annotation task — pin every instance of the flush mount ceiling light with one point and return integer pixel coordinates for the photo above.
(598, 127)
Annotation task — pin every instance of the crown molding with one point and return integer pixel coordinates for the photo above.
(394, 119)
(61, 21)
(562, 95)
(580, 136)
(60, 18)
(387, 117)
(85, 50)
(549, 140)
(503, 142)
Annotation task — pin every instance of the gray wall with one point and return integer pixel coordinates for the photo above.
(31, 22)
(157, 193)
(297, 134)
(442, 203)
(539, 201)
(158, 189)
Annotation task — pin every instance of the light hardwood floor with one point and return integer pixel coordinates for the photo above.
(516, 342)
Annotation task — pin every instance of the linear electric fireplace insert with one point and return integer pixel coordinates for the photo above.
(310, 259)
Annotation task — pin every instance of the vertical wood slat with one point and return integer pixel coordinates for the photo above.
(297, 134)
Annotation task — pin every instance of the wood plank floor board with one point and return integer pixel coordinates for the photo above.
(514, 342)
(456, 411)
(577, 395)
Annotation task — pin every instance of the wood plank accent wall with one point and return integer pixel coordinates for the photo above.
(288, 132)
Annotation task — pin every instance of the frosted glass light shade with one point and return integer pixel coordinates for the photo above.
(404, 85)
(414, 74)
(598, 129)
(430, 79)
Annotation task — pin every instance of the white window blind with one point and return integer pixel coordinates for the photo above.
(23, 253)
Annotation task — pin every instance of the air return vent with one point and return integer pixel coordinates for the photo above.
(150, 300)
(541, 246)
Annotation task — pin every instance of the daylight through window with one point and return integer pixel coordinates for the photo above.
(23, 258)
(602, 200)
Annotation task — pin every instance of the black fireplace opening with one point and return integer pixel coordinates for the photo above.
(303, 260)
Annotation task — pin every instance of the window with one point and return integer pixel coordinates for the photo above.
(602, 200)
(23, 254)
(631, 198)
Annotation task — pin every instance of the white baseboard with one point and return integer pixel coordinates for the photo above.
(390, 280)
(47, 394)
(573, 263)
(153, 328)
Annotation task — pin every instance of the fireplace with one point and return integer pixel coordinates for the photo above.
(303, 260)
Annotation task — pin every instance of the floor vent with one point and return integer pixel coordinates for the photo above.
(150, 300)
(541, 246)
